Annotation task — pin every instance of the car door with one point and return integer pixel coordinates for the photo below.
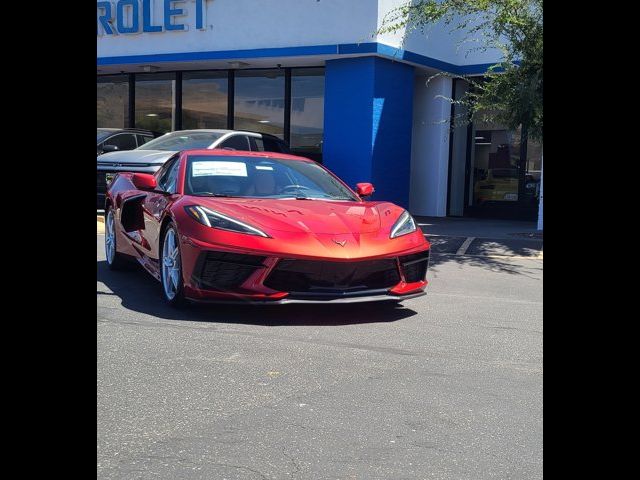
(156, 203)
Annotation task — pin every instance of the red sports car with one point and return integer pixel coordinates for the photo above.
(235, 226)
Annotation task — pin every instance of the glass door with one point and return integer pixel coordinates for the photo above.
(498, 184)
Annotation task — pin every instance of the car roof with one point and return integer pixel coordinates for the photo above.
(132, 130)
(221, 152)
(223, 131)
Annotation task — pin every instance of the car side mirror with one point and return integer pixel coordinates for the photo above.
(109, 148)
(364, 189)
(144, 181)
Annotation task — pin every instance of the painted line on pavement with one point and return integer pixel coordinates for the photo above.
(465, 245)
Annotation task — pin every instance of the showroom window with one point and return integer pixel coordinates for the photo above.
(307, 110)
(113, 101)
(259, 101)
(155, 101)
(286, 102)
(204, 99)
(496, 166)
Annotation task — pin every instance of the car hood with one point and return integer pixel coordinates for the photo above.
(136, 157)
(306, 216)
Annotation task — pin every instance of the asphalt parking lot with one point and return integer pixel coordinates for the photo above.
(448, 386)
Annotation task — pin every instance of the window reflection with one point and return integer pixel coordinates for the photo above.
(204, 100)
(259, 101)
(496, 165)
(495, 159)
(155, 100)
(113, 101)
(307, 110)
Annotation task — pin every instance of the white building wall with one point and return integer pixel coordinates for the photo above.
(430, 147)
(438, 41)
(251, 24)
(258, 24)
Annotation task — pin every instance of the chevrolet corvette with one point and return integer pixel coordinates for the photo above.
(262, 227)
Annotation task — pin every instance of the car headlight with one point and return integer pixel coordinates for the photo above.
(222, 222)
(404, 225)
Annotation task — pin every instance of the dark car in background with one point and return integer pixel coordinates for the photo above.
(117, 139)
(148, 158)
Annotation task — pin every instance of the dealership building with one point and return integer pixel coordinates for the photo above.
(316, 74)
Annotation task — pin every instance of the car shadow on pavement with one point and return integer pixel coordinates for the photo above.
(492, 264)
(139, 292)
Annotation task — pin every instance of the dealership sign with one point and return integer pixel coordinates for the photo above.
(149, 16)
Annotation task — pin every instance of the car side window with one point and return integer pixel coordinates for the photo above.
(271, 145)
(257, 145)
(167, 179)
(142, 139)
(124, 141)
(237, 142)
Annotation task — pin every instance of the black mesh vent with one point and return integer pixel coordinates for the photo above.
(415, 266)
(223, 270)
(333, 277)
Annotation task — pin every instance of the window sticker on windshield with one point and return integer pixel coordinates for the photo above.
(227, 169)
(260, 167)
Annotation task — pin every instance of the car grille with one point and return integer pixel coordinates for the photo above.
(223, 270)
(311, 276)
(415, 266)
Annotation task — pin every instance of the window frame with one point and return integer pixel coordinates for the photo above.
(233, 136)
(289, 72)
(171, 163)
(119, 134)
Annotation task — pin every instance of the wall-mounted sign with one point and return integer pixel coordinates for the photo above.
(149, 16)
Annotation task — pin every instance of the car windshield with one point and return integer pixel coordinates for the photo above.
(182, 141)
(102, 134)
(259, 177)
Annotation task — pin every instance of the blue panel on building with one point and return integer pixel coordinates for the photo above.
(368, 122)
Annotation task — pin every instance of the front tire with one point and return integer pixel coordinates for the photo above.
(171, 268)
(115, 261)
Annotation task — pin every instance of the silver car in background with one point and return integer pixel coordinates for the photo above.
(149, 157)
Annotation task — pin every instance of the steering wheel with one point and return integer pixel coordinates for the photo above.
(296, 187)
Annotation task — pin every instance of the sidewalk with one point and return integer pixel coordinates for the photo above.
(482, 237)
(479, 227)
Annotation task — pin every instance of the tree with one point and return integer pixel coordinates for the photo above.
(511, 90)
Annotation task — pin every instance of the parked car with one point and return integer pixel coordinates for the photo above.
(117, 139)
(261, 227)
(501, 184)
(149, 157)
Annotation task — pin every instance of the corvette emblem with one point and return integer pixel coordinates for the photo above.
(341, 243)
